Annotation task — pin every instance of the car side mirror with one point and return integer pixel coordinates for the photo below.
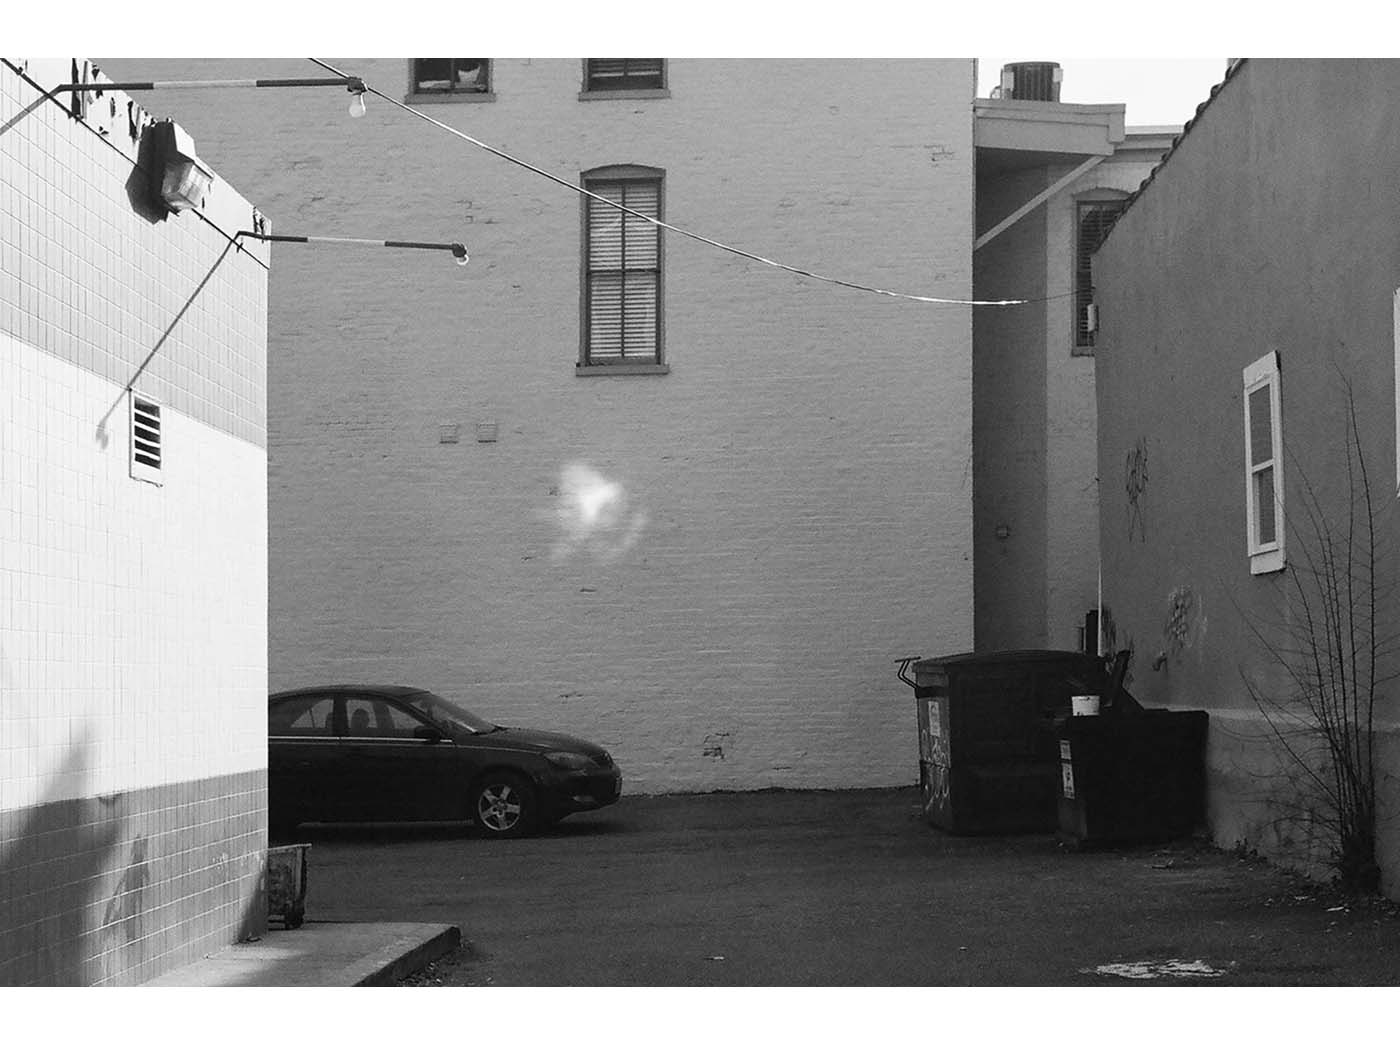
(428, 733)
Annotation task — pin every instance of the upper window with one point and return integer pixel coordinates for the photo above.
(622, 268)
(1093, 219)
(624, 74)
(1263, 449)
(464, 76)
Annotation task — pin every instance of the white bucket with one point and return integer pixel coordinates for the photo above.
(1086, 704)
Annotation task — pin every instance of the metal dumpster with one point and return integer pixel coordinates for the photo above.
(1137, 777)
(988, 758)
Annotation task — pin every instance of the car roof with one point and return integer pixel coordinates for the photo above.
(349, 689)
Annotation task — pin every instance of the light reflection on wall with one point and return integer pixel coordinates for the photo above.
(593, 516)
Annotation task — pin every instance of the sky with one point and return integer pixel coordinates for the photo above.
(1156, 91)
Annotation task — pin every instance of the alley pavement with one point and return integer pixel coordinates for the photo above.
(836, 888)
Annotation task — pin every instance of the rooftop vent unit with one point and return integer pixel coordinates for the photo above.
(1031, 81)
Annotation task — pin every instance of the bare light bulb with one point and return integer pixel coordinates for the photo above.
(357, 106)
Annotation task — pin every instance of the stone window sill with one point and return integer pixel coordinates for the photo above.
(646, 92)
(434, 97)
(620, 369)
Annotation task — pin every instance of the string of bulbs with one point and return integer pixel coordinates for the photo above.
(357, 109)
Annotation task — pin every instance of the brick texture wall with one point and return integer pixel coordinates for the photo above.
(794, 505)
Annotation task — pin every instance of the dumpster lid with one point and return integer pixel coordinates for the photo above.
(1019, 656)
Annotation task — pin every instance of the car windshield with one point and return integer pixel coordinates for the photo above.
(444, 712)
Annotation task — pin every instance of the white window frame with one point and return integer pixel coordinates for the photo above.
(1264, 556)
(140, 469)
(1395, 312)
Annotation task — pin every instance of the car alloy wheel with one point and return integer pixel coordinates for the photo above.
(503, 806)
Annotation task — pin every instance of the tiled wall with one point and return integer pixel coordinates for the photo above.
(132, 616)
(795, 496)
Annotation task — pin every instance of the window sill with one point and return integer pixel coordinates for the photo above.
(1266, 562)
(620, 369)
(1082, 350)
(434, 97)
(640, 92)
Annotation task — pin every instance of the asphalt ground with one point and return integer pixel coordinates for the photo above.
(846, 888)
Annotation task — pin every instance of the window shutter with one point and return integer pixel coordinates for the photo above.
(624, 270)
(619, 74)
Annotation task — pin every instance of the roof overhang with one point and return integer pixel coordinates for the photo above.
(1011, 134)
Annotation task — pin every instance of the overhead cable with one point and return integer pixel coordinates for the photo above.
(661, 224)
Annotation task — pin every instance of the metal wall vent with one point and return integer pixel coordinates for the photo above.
(146, 444)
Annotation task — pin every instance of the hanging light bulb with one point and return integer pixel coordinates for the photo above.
(357, 106)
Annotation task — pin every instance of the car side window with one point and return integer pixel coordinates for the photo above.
(372, 717)
(306, 716)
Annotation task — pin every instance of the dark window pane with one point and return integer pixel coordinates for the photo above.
(1261, 430)
(300, 716)
(1264, 497)
(432, 74)
(451, 74)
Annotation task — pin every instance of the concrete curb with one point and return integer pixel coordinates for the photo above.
(321, 954)
(391, 963)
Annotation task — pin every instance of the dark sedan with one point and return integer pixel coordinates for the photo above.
(381, 753)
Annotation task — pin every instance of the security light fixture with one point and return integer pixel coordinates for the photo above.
(184, 178)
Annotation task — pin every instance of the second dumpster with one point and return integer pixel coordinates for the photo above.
(988, 756)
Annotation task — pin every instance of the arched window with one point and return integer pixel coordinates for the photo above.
(622, 267)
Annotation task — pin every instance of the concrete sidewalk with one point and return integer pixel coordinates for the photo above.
(321, 954)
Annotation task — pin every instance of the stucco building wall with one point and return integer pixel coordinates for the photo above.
(133, 658)
(794, 504)
(1035, 455)
(1270, 228)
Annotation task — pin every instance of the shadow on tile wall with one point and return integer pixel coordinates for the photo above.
(52, 857)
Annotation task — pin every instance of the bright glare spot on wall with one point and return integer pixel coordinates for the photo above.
(594, 516)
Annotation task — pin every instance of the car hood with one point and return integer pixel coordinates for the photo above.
(540, 740)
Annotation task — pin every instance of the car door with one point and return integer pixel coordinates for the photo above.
(303, 759)
(397, 765)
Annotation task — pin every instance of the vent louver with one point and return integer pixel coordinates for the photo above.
(146, 446)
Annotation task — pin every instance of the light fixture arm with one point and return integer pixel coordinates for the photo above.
(459, 251)
(353, 84)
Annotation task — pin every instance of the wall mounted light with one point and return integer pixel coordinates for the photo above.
(184, 178)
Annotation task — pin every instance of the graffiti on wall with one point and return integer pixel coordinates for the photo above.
(1135, 484)
(1184, 625)
(714, 746)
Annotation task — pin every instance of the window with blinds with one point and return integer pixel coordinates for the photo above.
(622, 252)
(1093, 220)
(624, 74)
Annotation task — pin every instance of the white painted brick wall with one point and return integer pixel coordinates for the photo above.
(132, 617)
(799, 483)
